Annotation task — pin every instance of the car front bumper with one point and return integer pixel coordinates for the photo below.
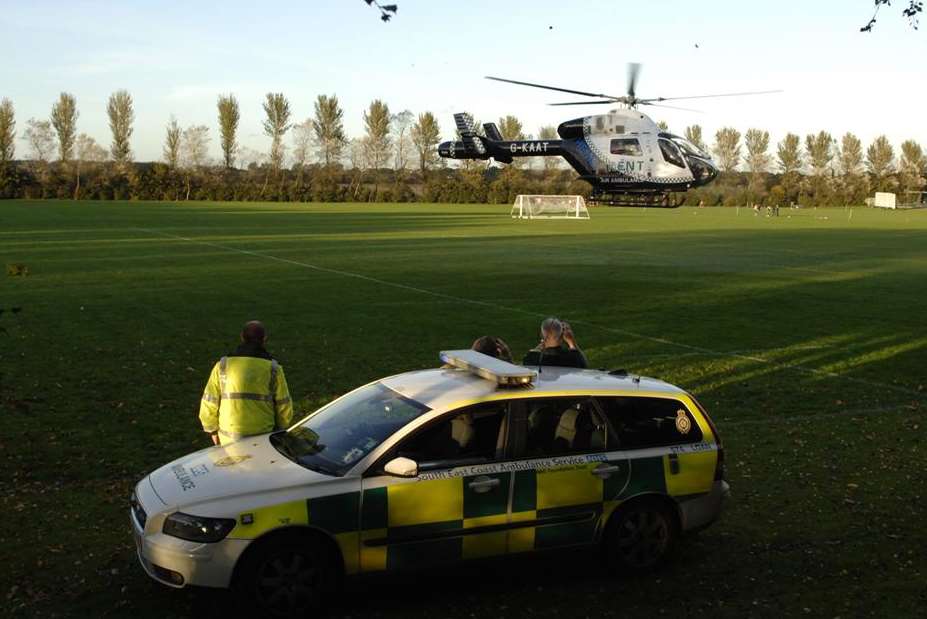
(178, 563)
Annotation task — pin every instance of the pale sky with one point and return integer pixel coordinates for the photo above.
(176, 57)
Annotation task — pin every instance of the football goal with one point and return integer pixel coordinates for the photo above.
(549, 207)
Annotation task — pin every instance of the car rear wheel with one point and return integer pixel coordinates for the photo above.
(287, 577)
(640, 536)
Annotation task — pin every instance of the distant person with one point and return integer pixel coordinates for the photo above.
(494, 347)
(557, 347)
(247, 392)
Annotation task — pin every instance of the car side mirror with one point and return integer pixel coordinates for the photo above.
(401, 467)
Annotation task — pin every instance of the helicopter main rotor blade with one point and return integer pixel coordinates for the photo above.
(672, 107)
(634, 68)
(606, 102)
(573, 92)
(727, 94)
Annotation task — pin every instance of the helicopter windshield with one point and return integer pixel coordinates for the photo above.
(688, 147)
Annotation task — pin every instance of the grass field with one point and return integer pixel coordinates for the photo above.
(804, 335)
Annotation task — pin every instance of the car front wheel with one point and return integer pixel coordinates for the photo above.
(287, 577)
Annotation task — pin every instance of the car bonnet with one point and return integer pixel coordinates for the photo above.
(251, 465)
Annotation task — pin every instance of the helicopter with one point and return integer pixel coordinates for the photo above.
(624, 155)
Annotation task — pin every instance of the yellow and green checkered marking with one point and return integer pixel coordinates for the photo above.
(431, 521)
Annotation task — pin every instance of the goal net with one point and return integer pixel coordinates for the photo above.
(549, 207)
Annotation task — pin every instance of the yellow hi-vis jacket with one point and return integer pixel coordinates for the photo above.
(245, 396)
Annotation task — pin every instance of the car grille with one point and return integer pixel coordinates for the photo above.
(138, 511)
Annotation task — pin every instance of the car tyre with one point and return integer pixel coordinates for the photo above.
(641, 536)
(287, 576)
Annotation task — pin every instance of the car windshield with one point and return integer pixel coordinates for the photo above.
(336, 436)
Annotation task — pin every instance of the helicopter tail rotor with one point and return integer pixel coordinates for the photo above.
(468, 134)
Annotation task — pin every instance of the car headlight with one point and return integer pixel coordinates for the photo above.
(197, 528)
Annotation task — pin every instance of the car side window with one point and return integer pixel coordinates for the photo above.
(641, 422)
(472, 435)
(559, 426)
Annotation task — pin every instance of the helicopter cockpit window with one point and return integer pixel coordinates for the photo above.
(689, 148)
(626, 146)
(671, 153)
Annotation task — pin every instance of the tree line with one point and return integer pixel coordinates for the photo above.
(396, 160)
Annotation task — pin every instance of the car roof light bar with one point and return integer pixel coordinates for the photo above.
(490, 368)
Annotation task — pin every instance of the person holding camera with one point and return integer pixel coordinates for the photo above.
(558, 346)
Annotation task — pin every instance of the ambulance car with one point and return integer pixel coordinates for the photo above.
(476, 459)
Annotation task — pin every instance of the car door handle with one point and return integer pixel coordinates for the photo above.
(483, 484)
(604, 471)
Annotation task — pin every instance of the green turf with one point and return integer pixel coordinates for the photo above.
(804, 336)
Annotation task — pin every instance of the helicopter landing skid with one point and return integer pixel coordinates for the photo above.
(639, 200)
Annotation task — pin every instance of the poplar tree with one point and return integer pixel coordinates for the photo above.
(757, 143)
(425, 136)
(121, 115)
(229, 115)
(912, 166)
(7, 132)
(64, 119)
(328, 128)
(377, 139)
(549, 132)
(277, 123)
(194, 152)
(820, 150)
(88, 153)
(880, 160)
(849, 161)
(849, 155)
(789, 159)
(172, 144)
(511, 128)
(727, 148)
(693, 133)
(788, 153)
(303, 136)
(401, 124)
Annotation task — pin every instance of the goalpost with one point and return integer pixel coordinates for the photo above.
(549, 207)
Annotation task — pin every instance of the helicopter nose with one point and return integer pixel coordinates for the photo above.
(703, 170)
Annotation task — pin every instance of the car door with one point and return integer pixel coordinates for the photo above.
(566, 472)
(664, 444)
(455, 508)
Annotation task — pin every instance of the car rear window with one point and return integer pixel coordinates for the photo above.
(642, 422)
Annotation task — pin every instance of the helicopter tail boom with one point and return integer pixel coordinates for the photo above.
(474, 146)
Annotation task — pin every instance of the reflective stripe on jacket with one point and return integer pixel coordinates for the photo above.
(245, 396)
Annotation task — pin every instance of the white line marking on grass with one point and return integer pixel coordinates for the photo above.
(518, 310)
(858, 412)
